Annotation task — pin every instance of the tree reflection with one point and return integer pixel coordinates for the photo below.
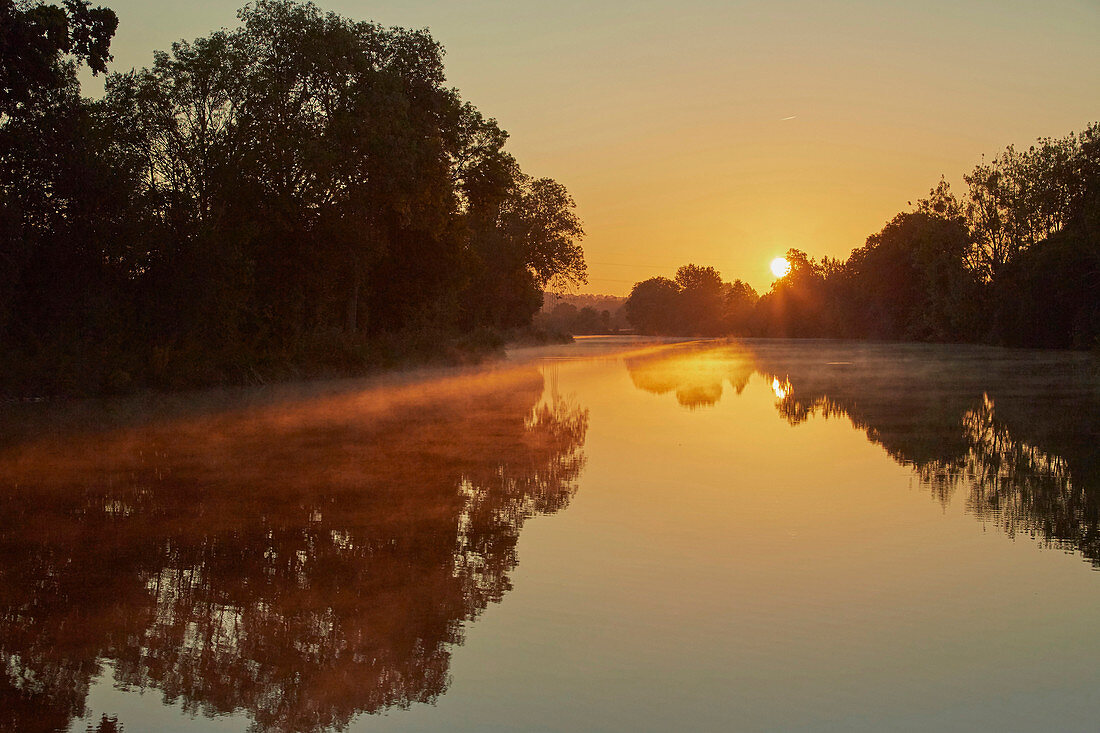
(1016, 431)
(1018, 435)
(1018, 486)
(304, 561)
(695, 371)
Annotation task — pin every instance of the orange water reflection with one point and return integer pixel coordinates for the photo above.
(1019, 436)
(302, 559)
(299, 556)
(695, 372)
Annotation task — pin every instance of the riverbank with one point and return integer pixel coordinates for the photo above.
(98, 368)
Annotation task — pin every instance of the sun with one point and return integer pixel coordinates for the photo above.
(780, 267)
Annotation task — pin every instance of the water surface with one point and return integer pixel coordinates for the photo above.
(611, 535)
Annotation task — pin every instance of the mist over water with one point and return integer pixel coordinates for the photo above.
(610, 535)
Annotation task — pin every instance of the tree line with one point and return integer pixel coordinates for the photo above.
(301, 192)
(1015, 260)
(579, 314)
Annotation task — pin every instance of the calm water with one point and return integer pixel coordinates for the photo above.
(606, 536)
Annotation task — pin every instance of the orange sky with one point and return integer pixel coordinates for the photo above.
(668, 120)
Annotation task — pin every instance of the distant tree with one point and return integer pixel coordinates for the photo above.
(652, 307)
(697, 302)
(588, 321)
(740, 300)
(796, 304)
(560, 319)
(565, 313)
(701, 302)
(1014, 261)
(567, 319)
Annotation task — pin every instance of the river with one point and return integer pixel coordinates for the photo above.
(611, 535)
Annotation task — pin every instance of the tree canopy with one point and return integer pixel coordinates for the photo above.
(1015, 261)
(285, 191)
(41, 44)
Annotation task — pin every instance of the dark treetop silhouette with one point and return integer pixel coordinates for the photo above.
(1017, 262)
(281, 197)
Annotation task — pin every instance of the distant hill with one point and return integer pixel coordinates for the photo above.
(581, 313)
(598, 303)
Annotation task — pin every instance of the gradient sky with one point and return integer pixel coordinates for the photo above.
(668, 121)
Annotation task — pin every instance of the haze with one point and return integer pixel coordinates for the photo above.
(725, 133)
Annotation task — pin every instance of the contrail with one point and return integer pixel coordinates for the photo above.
(784, 119)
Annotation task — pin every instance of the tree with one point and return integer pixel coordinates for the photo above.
(702, 300)
(652, 307)
(697, 302)
(740, 299)
(45, 138)
(541, 217)
(1021, 198)
(796, 304)
(281, 192)
(942, 202)
(1049, 296)
(40, 45)
(910, 281)
(521, 242)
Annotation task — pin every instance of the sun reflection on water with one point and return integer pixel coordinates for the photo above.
(781, 389)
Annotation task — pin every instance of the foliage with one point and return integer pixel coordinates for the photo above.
(1047, 296)
(697, 302)
(796, 302)
(41, 44)
(1015, 262)
(909, 281)
(304, 178)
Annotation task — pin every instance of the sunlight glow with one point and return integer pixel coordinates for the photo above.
(780, 267)
(781, 390)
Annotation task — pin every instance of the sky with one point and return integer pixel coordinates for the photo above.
(724, 133)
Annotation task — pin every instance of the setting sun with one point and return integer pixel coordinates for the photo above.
(780, 267)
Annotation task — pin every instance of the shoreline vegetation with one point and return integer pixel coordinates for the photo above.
(1014, 262)
(303, 196)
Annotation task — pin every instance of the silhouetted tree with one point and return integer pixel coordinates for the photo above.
(740, 300)
(653, 305)
(701, 301)
(1049, 296)
(910, 281)
(796, 304)
(1015, 263)
(1021, 198)
(293, 191)
(696, 303)
(41, 44)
